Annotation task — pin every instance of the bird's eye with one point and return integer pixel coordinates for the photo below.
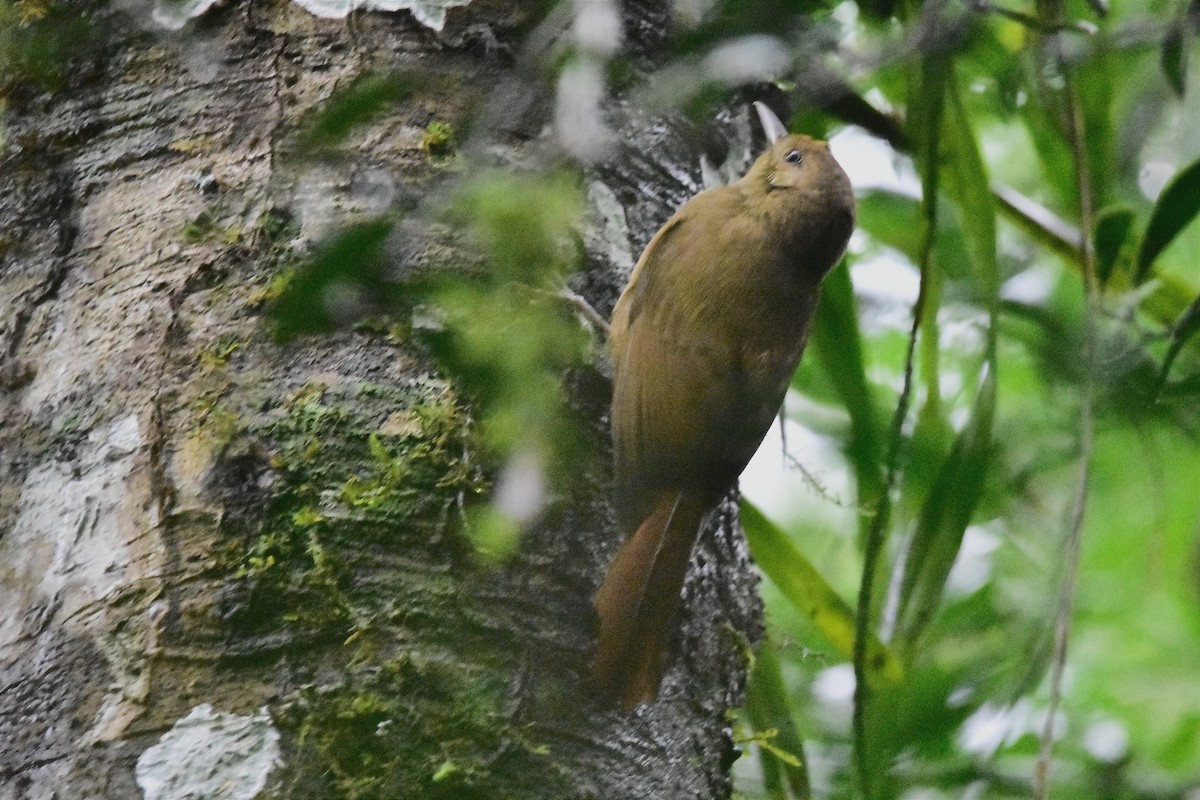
(792, 157)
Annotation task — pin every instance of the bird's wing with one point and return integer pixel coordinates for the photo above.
(681, 382)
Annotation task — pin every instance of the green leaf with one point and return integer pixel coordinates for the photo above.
(1111, 231)
(945, 515)
(1184, 329)
(967, 182)
(837, 345)
(770, 713)
(344, 281)
(1049, 141)
(877, 9)
(364, 100)
(1174, 58)
(892, 219)
(522, 223)
(926, 103)
(1095, 80)
(1176, 207)
(800, 582)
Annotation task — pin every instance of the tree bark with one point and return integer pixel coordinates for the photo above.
(234, 568)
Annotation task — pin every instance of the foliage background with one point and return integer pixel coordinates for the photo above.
(996, 110)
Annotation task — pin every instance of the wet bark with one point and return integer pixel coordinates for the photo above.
(233, 567)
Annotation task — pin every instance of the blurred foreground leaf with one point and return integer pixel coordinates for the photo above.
(343, 282)
(368, 97)
(1184, 329)
(1109, 235)
(504, 333)
(1174, 59)
(967, 182)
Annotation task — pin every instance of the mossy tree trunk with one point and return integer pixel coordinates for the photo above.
(230, 567)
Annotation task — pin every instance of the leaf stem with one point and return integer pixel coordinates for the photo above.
(932, 85)
(1074, 536)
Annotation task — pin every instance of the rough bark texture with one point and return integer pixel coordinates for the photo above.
(230, 563)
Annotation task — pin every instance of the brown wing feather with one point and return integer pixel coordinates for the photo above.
(695, 390)
(639, 600)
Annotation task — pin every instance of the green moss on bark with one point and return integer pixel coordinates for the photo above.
(353, 484)
(358, 553)
(411, 727)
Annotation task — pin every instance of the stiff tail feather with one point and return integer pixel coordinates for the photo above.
(639, 599)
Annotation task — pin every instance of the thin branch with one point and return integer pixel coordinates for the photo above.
(873, 547)
(823, 491)
(585, 310)
(1074, 538)
(876, 533)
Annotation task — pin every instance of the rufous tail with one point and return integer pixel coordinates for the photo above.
(639, 599)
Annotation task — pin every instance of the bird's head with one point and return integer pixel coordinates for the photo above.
(795, 161)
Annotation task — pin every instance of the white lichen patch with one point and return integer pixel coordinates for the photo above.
(210, 754)
(606, 231)
(430, 13)
(69, 546)
(174, 14)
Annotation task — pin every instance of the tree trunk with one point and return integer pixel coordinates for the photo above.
(233, 568)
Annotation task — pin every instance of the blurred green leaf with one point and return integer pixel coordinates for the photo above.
(1097, 97)
(1109, 236)
(368, 97)
(1175, 208)
(878, 9)
(494, 535)
(1042, 121)
(1183, 330)
(770, 712)
(504, 333)
(837, 344)
(892, 219)
(343, 282)
(1174, 58)
(800, 582)
(926, 102)
(967, 182)
(944, 518)
(524, 225)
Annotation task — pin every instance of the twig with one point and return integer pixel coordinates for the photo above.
(874, 545)
(821, 489)
(876, 533)
(585, 310)
(1074, 538)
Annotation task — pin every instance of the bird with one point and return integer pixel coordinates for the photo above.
(704, 340)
